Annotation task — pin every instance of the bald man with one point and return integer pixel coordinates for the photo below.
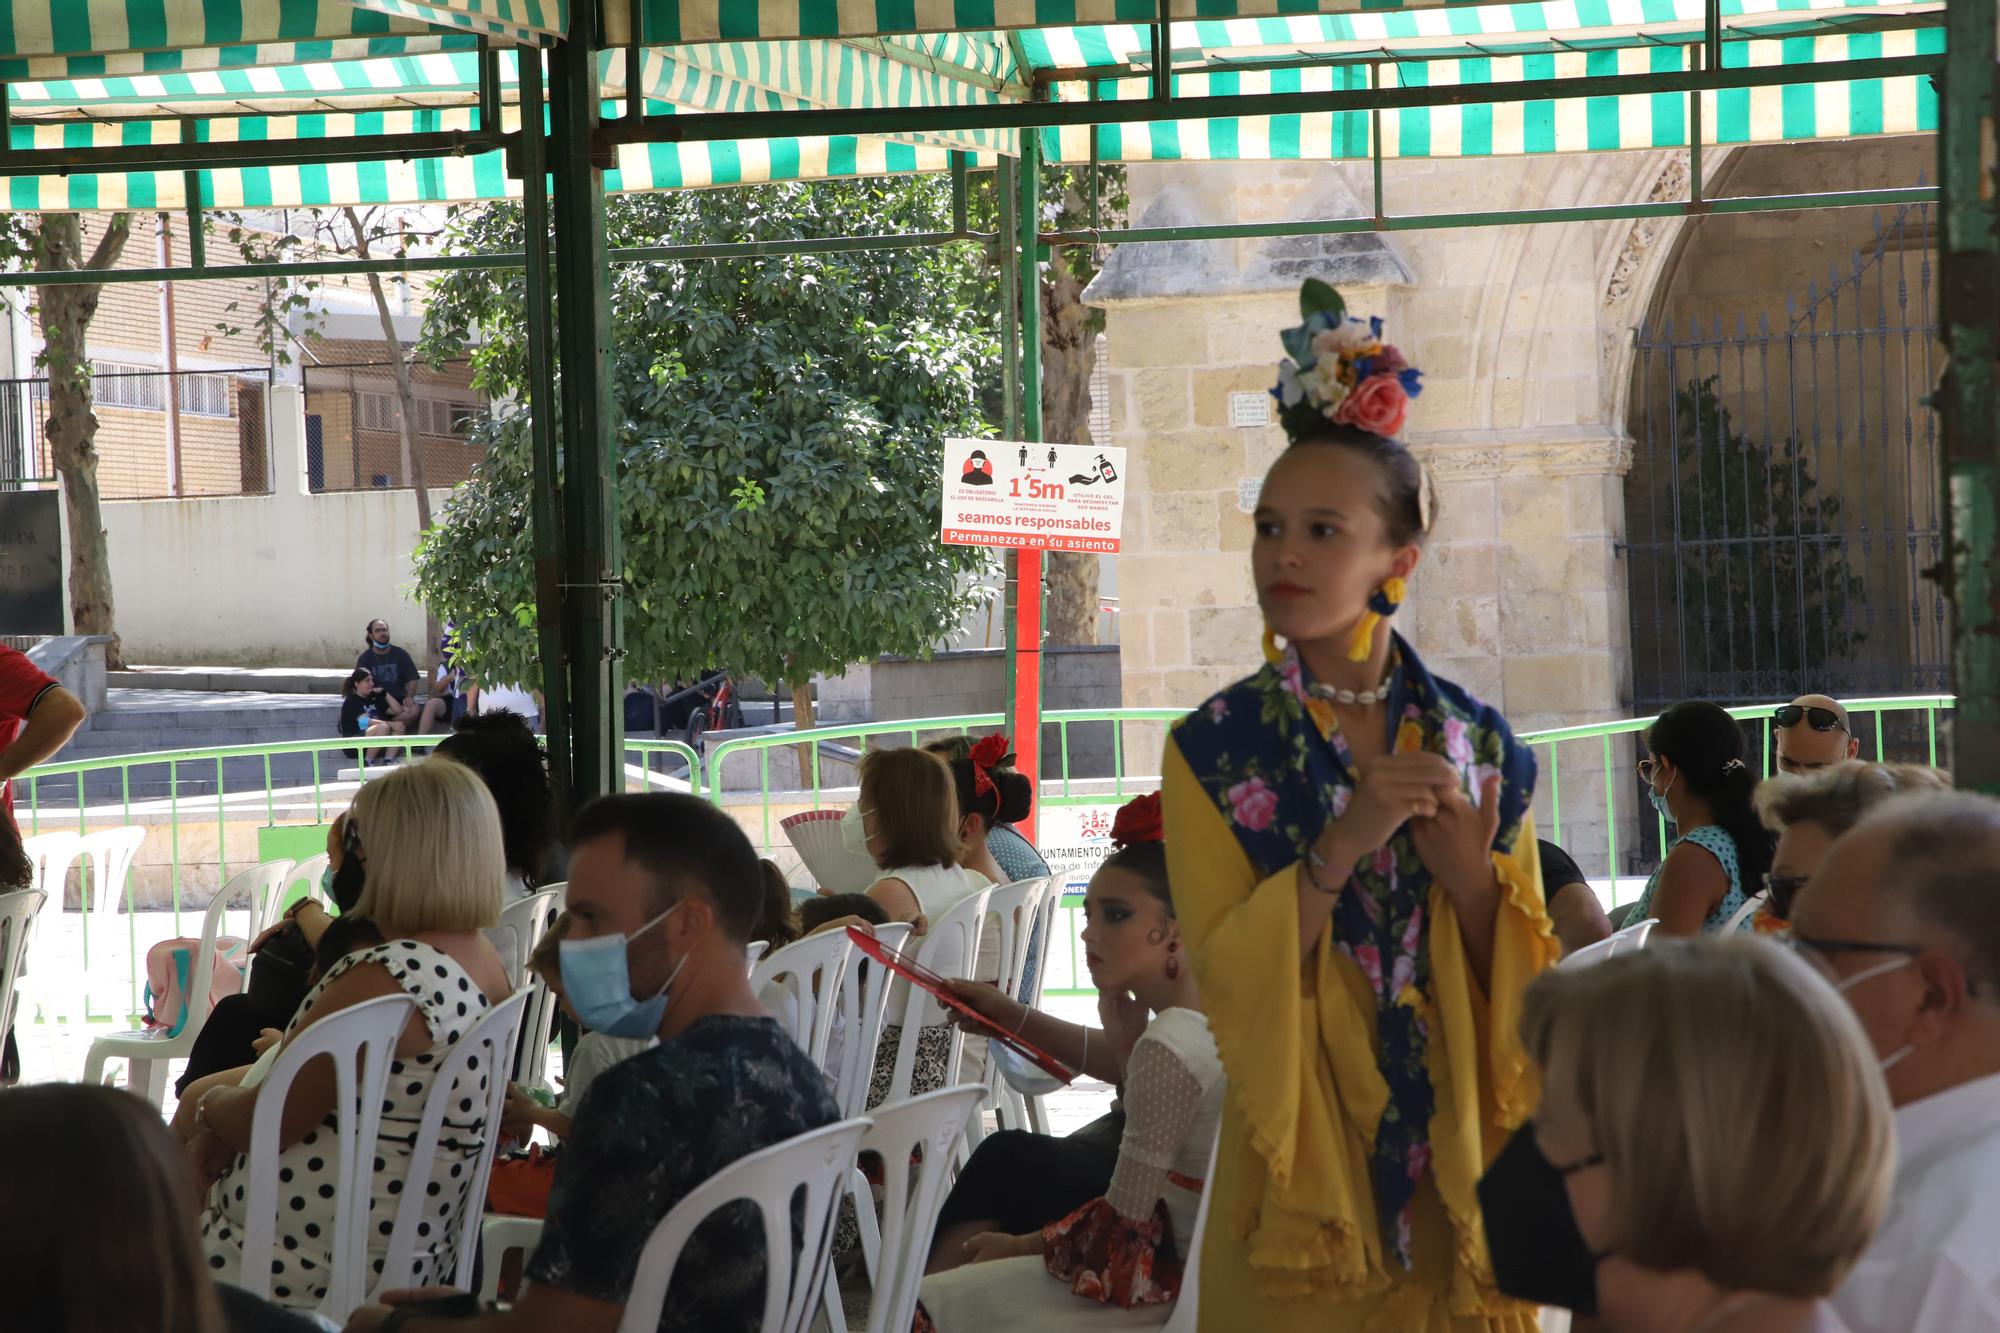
(1813, 734)
(1901, 916)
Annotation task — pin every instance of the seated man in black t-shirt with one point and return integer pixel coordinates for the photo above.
(394, 672)
(679, 881)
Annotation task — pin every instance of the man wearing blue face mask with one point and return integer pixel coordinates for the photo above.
(1900, 915)
(663, 894)
(393, 670)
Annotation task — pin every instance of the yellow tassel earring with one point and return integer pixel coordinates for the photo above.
(1382, 604)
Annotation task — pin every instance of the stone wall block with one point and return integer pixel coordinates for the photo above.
(1161, 400)
(1219, 637)
(1204, 461)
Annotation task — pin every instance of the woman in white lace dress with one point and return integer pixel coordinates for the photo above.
(430, 836)
(1117, 1259)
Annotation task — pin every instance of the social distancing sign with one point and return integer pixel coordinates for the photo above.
(1037, 497)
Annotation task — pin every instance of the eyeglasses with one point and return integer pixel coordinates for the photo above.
(1782, 889)
(1825, 946)
(1822, 719)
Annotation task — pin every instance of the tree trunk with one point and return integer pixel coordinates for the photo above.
(66, 312)
(803, 720)
(406, 418)
(1069, 355)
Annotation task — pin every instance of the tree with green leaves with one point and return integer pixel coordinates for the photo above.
(779, 437)
(1780, 596)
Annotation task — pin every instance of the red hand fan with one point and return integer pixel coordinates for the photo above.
(907, 967)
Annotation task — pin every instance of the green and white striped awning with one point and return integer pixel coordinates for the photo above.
(139, 72)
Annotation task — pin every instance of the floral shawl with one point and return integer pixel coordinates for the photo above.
(1272, 758)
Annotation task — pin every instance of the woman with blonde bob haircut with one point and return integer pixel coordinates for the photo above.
(430, 838)
(1668, 1182)
(434, 850)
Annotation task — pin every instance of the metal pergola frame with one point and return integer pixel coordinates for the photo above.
(562, 168)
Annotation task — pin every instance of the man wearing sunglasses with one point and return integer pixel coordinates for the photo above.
(1903, 916)
(1813, 734)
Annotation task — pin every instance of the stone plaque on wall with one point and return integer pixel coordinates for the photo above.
(31, 585)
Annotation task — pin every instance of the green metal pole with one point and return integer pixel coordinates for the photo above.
(543, 405)
(591, 566)
(1969, 399)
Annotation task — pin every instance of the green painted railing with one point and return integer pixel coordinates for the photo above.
(1074, 774)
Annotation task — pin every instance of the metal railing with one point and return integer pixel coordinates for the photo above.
(305, 783)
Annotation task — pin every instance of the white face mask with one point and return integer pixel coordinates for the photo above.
(1846, 984)
(853, 831)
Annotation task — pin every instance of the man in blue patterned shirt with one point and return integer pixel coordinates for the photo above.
(679, 881)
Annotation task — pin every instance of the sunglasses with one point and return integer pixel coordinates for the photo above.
(1822, 719)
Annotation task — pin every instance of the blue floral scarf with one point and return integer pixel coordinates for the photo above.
(1271, 756)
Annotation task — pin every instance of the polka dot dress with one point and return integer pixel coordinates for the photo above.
(303, 1250)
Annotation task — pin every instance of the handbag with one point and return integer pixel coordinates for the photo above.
(278, 975)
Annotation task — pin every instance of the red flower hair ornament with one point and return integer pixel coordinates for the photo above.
(989, 754)
(1137, 821)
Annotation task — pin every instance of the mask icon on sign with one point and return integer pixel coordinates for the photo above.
(978, 469)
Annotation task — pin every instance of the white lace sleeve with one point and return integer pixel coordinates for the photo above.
(1162, 1099)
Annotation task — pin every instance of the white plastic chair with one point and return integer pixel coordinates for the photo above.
(1036, 1107)
(17, 920)
(949, 949)
(146, 1053)
(361, 1041)
(110, 853)
(1740, 918)
(754, 951)
(500, 1234)
(1011, 909)
(524, 922)
(1186, 1317)
(487, 1046)
(864, 997)
(307, 872)
(1623, 941)
(934, 1122)
(816, 1162)
(810, 971)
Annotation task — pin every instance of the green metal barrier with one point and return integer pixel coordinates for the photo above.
(103, 791)
(1903, 727)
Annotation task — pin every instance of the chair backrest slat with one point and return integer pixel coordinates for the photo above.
(950, 949)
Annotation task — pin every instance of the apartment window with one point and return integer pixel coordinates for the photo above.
(207, 396)
(136, 388)
(433, 416)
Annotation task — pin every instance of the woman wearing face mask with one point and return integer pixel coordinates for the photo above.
(1664, 1185)
(1121, 1247)
(1698, 780)
(1355, 871)
(431, 840)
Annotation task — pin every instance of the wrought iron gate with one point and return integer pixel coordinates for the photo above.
(1783, 504)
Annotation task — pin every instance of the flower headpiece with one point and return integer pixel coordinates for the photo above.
(985, 757)
(1340, 370)
(1137, 821)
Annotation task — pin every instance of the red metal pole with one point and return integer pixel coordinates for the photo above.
(1027, 701)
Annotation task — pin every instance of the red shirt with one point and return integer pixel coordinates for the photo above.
(22, 685)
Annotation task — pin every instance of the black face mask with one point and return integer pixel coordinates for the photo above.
(1538, 1253)
(351, 878)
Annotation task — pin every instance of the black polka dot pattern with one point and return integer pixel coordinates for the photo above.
(307, 1188)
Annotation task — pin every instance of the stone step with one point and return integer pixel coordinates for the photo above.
(213, 679)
